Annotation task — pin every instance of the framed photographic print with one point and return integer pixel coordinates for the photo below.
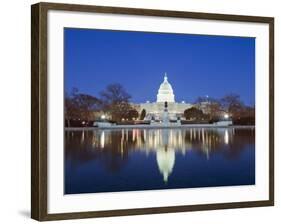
(139, 111)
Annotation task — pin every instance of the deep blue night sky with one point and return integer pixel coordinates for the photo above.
(197, 65)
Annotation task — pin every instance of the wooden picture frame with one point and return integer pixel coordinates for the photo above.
(39, 108)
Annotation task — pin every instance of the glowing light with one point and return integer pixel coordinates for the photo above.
(103, 116)
(82, 137)
(226, 116)
(102, 140)
(226, 137)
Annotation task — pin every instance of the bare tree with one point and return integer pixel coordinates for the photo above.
(214, 109)
(115, 93)
(71, 110)
(210, 106)
(80, 106)
(232, 104)
(87, 104)
(115, 100)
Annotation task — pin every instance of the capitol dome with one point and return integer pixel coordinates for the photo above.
(165, 92)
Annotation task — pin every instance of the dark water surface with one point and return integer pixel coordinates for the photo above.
(146, 159)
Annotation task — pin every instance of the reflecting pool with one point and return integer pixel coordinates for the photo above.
(147, 159)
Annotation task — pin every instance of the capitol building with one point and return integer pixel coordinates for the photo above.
(165, 104)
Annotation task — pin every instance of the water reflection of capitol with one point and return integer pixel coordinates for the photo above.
(165, 143)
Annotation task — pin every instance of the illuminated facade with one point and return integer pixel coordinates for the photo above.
(165, 96)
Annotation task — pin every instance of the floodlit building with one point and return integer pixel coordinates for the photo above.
(165, 100)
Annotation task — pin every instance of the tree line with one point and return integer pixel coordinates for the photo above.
(113, 100)
(214, 109)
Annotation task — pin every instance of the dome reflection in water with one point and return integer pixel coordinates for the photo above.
(149, 159)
